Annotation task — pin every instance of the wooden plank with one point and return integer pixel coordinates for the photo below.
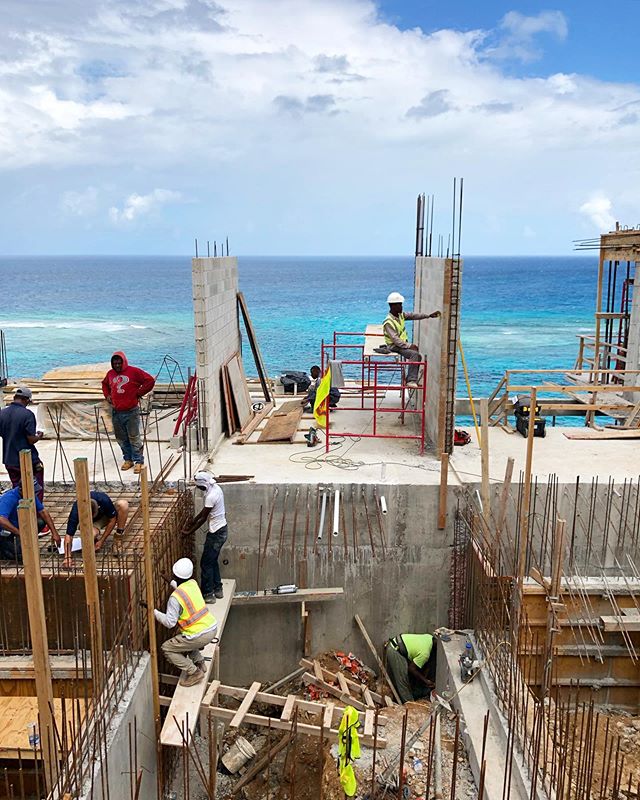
(245, 704)
(353, 686)
(367, 697)
(347, 699)
(275, 723)
(92, 594)
(230, 416)
(327, 717)
(37, 621)
(287, 711)
(255, 348)
(281, 427)
(344, 686)
(317, 670)
(239, 391)
(630, 623)
(369, 719)
(18, 713)
(187, 700)
(383, 671)
(251, 426)
(62, 667)
(610, 433)
(302, 595)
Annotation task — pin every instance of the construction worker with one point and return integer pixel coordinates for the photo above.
(18, 432)
(396, 337)
(309, 399)
(10, 547)
(198, 626)
(212, 511)
(106, 515)
(411, 663)
(123, 386)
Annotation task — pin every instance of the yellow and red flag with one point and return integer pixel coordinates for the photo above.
(322, 399)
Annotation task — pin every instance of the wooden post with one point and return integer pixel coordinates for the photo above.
(553, 600)
(383, 671)
(484, 459)
(504, 498)
(526, 493)
(150, 600)
(442, 502)
(85, 517)
(28, 525)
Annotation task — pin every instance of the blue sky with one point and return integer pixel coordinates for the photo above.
(309, 126)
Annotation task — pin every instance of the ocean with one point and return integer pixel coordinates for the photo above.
(517, 312)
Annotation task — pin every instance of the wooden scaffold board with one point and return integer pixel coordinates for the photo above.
(186, 700)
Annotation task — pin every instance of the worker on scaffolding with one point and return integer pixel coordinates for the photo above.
(105, 514)
(10, 547)
(198, 626)
(396, 338)
(411, 663)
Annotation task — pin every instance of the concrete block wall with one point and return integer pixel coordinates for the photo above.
(432, 293)
(217, 335)
(633, 345)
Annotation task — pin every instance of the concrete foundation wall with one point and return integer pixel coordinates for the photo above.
(135, 714)
(404, 589)
(433, 293)
(217, 336)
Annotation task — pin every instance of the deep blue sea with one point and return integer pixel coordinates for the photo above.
(516, 312)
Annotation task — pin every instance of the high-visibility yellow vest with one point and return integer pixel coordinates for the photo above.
(194, 617)
(398, 325)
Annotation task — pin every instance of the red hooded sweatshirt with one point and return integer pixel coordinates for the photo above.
(127, 387)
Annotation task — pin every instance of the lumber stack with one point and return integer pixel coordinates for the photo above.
(88, 390)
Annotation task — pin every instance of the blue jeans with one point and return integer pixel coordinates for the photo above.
(209, 570)
(126, 426)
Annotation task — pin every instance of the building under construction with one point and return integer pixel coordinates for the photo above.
(523, 550)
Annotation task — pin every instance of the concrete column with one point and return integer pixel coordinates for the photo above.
(217, 335)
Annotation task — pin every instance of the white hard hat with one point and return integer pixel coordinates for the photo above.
(183, 568)
(395, 297)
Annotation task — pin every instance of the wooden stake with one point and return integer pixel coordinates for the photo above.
(526, 493)
(81, 472)
(150, 599)
(383, 671)
(442, 503)
(484, 459)
(504, 498)
(27, 522)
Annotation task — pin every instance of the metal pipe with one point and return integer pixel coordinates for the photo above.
(383, 504)
(336, 512)
(323, 510)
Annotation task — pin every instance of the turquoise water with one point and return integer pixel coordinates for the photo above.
(517, 311)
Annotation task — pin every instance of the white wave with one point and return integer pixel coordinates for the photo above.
(86, 325)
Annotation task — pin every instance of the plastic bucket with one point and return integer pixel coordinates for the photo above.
(238, 755)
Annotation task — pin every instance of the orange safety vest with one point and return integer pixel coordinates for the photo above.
(194, 617)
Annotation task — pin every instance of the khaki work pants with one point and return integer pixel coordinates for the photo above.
(186, 653)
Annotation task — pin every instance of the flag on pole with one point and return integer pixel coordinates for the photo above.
(322, 399)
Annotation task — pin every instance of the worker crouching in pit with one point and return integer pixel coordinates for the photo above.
(106, 516)
(198, 626)
(411, 663)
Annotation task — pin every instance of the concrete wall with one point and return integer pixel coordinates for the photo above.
(633, 346)
(135, 714)
(404, 588)
(217, 336)
(433, 293)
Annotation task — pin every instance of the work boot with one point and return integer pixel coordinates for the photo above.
(201, 665)
(126, 465)
(137, 469)
(218, 593)
(191, 680)
(209, 599)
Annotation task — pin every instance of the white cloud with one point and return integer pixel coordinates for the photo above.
(142, 205)
(80, 204)
(598, 211)
(219, 98)
(517, 34)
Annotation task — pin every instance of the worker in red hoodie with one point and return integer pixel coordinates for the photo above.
(123, 386)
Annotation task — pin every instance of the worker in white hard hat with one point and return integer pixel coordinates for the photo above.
(396, 337)
(198, 627)
(213, 512)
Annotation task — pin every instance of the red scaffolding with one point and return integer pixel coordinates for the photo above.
(371, 371)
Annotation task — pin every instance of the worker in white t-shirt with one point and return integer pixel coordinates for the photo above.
(213, 512)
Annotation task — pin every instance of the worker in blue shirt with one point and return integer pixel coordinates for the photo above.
(105, 514)
(10, 547)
